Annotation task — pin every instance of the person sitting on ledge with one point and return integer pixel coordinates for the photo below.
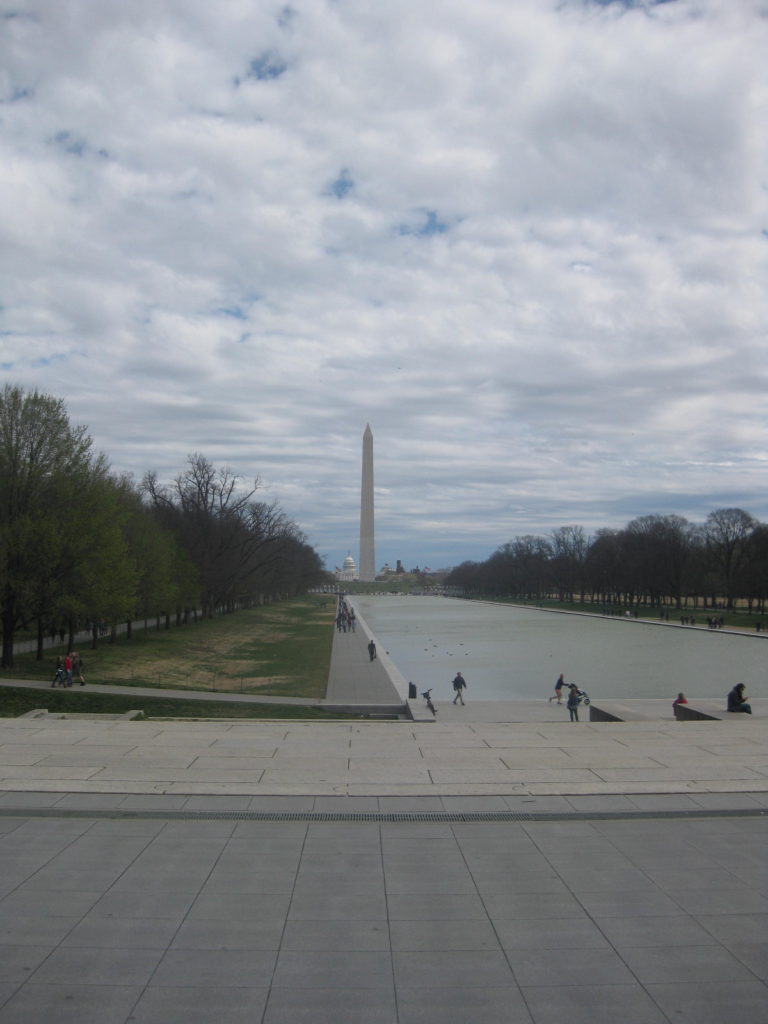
(737, 701)
(680, 699)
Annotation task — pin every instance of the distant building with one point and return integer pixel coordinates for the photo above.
(348, 571)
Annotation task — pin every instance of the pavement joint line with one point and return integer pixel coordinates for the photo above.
(445, 817)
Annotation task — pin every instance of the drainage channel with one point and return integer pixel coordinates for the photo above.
(448, 817)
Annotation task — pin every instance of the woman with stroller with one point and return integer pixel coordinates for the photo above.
(558, 694)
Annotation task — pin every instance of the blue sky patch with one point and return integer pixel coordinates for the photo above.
(631, 3)
(70, 143)
(342, 186)
(431, 225)
(17, 95)
(266, 67)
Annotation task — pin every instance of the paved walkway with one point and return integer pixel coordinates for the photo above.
(498, 865)
(355, 679)
(169, 910)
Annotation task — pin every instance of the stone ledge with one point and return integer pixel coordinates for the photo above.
(37, 713)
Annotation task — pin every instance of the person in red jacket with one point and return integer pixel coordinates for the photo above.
(680, 699)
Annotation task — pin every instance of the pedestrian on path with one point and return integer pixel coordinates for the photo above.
(459, 684)
(558, 694)
(59, 676)
(77, 668)
(371, 649)
(573, 702)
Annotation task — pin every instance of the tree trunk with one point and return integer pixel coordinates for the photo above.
(39, 639)
(9, 628)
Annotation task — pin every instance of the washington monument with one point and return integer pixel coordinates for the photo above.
(367, 572)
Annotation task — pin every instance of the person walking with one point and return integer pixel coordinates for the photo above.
(459, 684)
(558, 694)
(371, 650)
(573, 702)
(59, 676)
(77, 668)
(68, 669)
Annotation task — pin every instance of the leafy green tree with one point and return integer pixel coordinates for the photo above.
(39, 449)
(101, 578)
(165, 579)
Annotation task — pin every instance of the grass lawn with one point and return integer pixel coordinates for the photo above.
(281, 650)
(732, 620)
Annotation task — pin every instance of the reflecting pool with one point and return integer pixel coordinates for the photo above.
(506, 652)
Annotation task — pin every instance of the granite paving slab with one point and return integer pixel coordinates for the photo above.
(357, 915)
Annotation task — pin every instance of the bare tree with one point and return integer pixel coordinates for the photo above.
(240, 546)
(727, 532)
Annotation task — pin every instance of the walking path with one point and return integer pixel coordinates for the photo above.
(354, 679)
(498, 865)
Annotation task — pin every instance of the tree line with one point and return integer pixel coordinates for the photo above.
(79, 544)
(657, 560)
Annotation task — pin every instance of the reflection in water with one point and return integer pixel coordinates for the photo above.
(506, 653)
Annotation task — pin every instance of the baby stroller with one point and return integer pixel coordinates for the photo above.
(583, 696)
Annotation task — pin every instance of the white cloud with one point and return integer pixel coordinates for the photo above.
(526, 241)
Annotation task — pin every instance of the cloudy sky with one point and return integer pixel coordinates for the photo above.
(526, 240)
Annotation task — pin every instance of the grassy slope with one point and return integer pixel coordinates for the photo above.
(278, 650)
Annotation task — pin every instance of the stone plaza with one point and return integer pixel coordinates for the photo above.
(496, 864)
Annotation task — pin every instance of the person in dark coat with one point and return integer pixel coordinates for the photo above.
(573, 702)
(459, 684)
(737, 701)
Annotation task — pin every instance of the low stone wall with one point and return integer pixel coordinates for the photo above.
(689, 713)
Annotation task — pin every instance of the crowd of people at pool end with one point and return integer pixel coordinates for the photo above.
(736, 700)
